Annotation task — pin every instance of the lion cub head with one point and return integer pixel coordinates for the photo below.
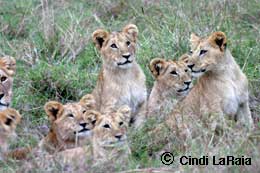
(206, 52)
(7, 71)
(174, 76)
(111, 127)
(9, 118)
(109, 136)
(117, 48)
(73, 120)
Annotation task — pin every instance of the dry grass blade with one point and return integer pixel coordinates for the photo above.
(47, 20)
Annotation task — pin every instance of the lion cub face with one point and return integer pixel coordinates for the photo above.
(117, 48)
(72, 120)
(7, 70)
(111, 128)
(174, 75)
(207, 52)
(9, 118)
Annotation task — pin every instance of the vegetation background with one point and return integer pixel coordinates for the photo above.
(56, 60)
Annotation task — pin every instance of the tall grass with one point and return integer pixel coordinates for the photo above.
(56, 60)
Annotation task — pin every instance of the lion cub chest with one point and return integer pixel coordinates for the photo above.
(228, 94)
(233, 96)
(124, 89)
(133, 94)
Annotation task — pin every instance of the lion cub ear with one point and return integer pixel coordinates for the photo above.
(99, 37)
(88, 101)
(8, 63)
(93, 116)
(218, 39)
(184, 58)
(126, 112)
(194, 41)
(131, 30)
(14, 116)
(53, 110)
(157, 65)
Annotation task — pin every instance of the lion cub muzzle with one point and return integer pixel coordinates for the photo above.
(188, 85)
(3, 104)
(126, 59)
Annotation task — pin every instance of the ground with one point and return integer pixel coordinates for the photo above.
(56, 60)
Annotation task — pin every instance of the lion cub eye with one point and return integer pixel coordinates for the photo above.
(3, 78)
(128, 43)
(70, 115)
(186, 70)
(121, 123)
(8, 121)
(174, 72)
(83, 111)
(106, 126)
(93, 122)
(113, 45)
(203, 52)
(190, 51)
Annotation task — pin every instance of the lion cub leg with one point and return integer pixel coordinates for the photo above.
(139, 118)
(244, 115)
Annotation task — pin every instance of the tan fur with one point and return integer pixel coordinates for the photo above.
(221, 89)
(9, 64)
(67, 121)
(9, 118)
(173, 82)
(120, 83)
(19, 153)
(7, 71)
(109, 136)
(105, 143)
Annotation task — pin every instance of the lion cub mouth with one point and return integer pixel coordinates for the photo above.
(198, 71)
(126, 62)
(83, 132)
(115, 143)
(183, 90)
(2, 104)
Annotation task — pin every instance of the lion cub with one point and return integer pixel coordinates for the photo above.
(109, 142)
(121, 80)
(109, 136)
(9, 118)
(173, 83)
(222, 88)
(109, 139)
(71, 124)
(7, 71)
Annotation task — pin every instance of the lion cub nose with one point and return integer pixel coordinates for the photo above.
(191, 66)
(187, 83)
(126, 56)
(118, 136)
(83, 124)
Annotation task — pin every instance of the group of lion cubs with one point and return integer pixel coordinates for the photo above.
(96, 125)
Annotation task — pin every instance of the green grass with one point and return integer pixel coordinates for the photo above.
(48, 69)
